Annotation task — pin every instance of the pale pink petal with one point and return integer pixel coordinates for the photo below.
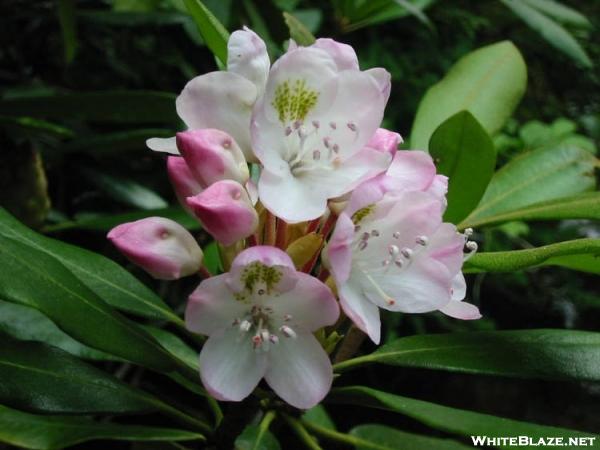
(383, 79)
(439, 187)
(385, 141)
(212, 306)
(459, 287)
(212, 155)
(160, 246)
(461, 310)
(309, 305)
(410, 170)
(446, 245)
(368, 193)
(230, 369)
(360, 310)
(220, 100)
(225, 211)
(184, 183)
(247, 56)
(339, 251)
(299, 371)
(343, 54)
(165, 145)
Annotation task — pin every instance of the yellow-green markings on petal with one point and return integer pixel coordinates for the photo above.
(294, 100)
(255, 273)
(359, 215)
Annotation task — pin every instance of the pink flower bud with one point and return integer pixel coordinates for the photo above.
(183, 181)
(225, 211)
(160, 246)
(213, 155)
(385, 141)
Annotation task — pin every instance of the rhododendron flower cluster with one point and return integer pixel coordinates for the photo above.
(312, 205)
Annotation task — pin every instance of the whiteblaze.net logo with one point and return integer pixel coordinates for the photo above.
(527, 441)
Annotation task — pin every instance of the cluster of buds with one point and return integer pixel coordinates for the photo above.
(329, 204)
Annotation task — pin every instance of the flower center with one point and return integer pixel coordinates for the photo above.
(264, 327)
(315, 145)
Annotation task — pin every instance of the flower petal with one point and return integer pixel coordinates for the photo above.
(446, 245)
(412, 170)
(166, 145)
(339, 250)
(230, 369)
(247, 56)
(310, 304)
(212, 306)
(461, 310)
(220, 100)
(360, 310)
(343, 55)
(299, 371)
(383, 79)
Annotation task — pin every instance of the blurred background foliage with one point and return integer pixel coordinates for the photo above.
(84, 83)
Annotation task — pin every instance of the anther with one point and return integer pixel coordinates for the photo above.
(287, 317)
(362, 245)
(235, 322)
(385, 262)
(261, 292)
(288, 131)
(422, 240)
(396, 234)
(393, 250)
(227, 143)
(472, 246)
(375, 233)
(316, 123)
(356, 228)
(287, 331)
(391, 301)
(297, 124)
(468, 232)
(316, 155)
(326, 141)
(273, 339)
(336, 148)
(407, 253)
(333, 125)
(351, 126)
(365, 236)
(245, 326)
(399, 263)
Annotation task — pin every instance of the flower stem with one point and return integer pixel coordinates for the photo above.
(350, 344)
(252, 240)
(281, 238)
(302, 433)
(336, 435)
(270, 226)
(328, 225)
(313, 225)
(204, 273)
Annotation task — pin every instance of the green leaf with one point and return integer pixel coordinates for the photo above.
(560, 12)
(66, 17)
(488, 82)
(544, 174)
(509, 261)
(106, 279)
(41, 378)
(28, 324)
(126, 191)
(550, 30)
(543, 354)
(258, 437)
(585, 263)
(31, 127)
(319, 416)
(51, 433)
(380, 437)
(175, 346)
(451, 420)
(33, 278)
(465, 153)
(106, 106)
(582, 206)
(101, 145)
(213, 32)
(298, 32)
(212, 258)
(98, 222)
(355, 15)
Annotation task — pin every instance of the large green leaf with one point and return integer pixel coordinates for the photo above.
(465, 153)
(258, 437)
(38, 377)
(101, 145)
(581, 206)
(108, 280)
(560, 12)
(488, 82)
(380, 437)
(108, 106)
(540, 175)
(28, 324)
(213, 32)
(550, 30)
(452, 420)
(68, 28)
(33, 278)
(52, 433)
(545, 354)
(355, 15)
(552, 254)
